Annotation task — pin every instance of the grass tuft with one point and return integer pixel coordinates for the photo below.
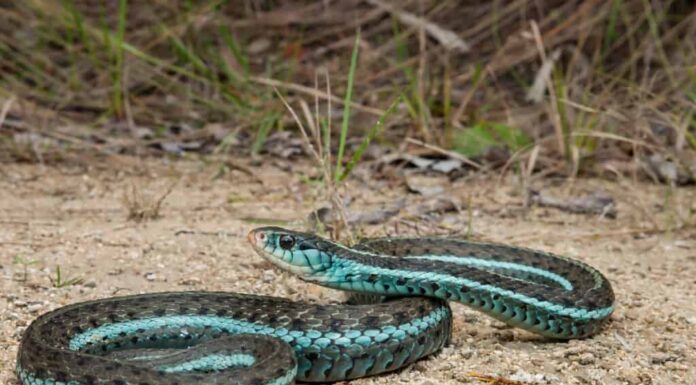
(144, 207)
(59, 281)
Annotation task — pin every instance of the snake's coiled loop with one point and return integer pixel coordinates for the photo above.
(213, 338)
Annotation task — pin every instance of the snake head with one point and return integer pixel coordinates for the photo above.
(299, 253)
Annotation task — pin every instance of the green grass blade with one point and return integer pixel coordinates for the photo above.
(654, 27)
(264, 128)
(611, 33)
(374, 131)
(237, 51)
(187, 54)
(117, 102)
(346, 108)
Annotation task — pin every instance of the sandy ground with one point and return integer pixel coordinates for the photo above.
(77, 220)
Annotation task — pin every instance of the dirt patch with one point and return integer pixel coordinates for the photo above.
(75, 220)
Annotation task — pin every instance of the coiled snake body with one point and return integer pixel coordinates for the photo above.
(227, 338)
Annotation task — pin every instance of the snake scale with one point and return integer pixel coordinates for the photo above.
(178, 338)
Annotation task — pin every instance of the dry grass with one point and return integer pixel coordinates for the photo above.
(143, 206)
(594, 85)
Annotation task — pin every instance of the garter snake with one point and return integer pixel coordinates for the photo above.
(179, 338)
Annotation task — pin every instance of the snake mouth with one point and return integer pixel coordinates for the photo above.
(257, 239)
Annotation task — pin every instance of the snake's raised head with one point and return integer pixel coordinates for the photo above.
(300, 253)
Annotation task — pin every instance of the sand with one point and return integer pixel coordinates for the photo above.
(77, 220)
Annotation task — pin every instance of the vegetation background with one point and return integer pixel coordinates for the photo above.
(584, 87)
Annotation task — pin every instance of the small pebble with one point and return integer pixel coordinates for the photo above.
(630, 375)
(466, 354)
(661, 358)
(191, 281)
(420, 366)
(586, 359)
(505, 335)
(19, 303)
(268, 276)
(533, 378)
(676, 366)
(11, 316)
(150, 276)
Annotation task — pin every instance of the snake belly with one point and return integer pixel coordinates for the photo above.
(206, 338)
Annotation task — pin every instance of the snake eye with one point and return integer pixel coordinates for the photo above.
(286, 242)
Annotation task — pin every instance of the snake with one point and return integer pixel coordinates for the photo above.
(399, 314)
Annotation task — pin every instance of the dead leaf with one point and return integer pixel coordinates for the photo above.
(284, 144)
(447, 38)
(661, 169)
(595, 203)
(362, 216)
(425, 186)
(443, 166)
(432, 206)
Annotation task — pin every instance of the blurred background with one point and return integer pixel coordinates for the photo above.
(586, 87)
